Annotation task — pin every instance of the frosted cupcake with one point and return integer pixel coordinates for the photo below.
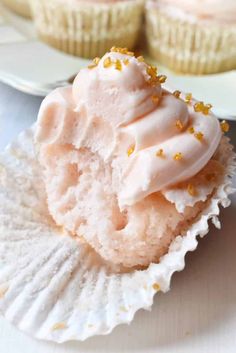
(127, 165)
(103, 198)
(88, 28)
(21, 7)
(190, 36)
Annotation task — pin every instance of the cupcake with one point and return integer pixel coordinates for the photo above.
(190, 36)
(103, 198)
(88, 28)
(21, 7)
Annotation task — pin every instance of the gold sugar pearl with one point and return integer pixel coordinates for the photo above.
(162, 78)
(130, 150)
(191, 190)
(178, 156)
(176, 94)
(188, 97)
(191, 130)
(140, 59)
(179, 125)
(160, 153)
(155, 99)
(199, 136)
(107, 62)
(118, 65)
(126, 62)
(224, 126)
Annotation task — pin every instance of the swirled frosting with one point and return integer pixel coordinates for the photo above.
(118, 109)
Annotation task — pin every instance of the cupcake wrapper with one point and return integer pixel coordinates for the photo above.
(21, 7)
(56, 288)
(188, 47)
(88, 29)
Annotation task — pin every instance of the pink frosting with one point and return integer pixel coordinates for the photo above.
(108, 111)
(223, 11)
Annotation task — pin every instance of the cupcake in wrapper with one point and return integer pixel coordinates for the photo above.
(88, 28)
(21, 7)
(101, 202)
(191, 36)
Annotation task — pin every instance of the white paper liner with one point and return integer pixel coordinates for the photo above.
(53, 287)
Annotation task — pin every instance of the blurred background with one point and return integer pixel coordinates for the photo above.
(44, 43)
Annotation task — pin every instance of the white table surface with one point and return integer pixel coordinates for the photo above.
(198, 315)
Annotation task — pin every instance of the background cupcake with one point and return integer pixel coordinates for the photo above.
(21, 7)
(192, 36)
(88, 28)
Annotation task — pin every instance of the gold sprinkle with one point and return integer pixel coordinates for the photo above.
(177, 94)
(160, 153)
(122, 51)
(155, 99)
(198, 107)
(162, 78)
(145, 286)
(188, 97)
(59, 326)
(179, 125)
(140, 59)
(107, 62)
(124, 309)
(206, 109)
(191, 130)
(130, 150)
(178, 156)
(191, 190)
(199, 136)
(118, 65)
(96, 60)
(156, 287)
(224, 126)
(94, 63)
(126, 62)
(92, 66)
(152, 71)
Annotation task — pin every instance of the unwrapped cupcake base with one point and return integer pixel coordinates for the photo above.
(189, 47)
(88, 29)
(53, 286)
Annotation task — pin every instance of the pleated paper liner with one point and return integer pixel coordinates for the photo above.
(190, 48)
(53, 286)
(21, 7)
(88, 29)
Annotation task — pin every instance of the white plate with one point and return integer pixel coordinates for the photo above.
(35, 68)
